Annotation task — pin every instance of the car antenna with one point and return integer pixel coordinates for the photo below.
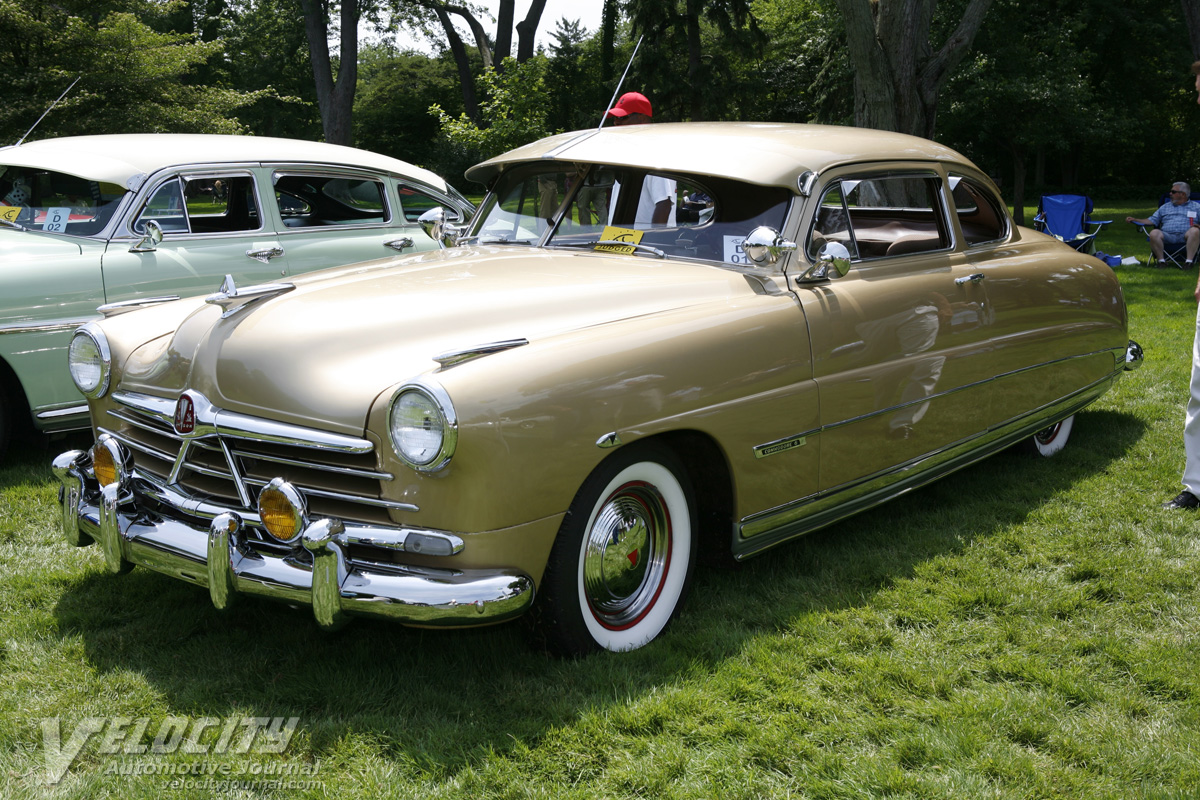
(621, 82)
(47, 111)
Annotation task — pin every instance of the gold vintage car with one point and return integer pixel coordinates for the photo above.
(570, 406)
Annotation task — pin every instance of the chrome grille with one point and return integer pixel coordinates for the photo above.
(229, 465)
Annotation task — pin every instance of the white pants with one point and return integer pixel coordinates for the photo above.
(1191, 426)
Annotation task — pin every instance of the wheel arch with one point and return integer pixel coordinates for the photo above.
(711, 478)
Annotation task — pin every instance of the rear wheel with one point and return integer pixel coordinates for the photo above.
(623, 559)
(1049, 441)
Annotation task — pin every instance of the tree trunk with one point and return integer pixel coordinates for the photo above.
(608, 37)
(1018, 190)
(897, 75)
(694, 63)
(465, 79)
(527, 31)
(504, 24)
(335, 98)
(1191, 17)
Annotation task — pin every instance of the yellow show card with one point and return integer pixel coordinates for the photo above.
(10, 213)
(613, 234)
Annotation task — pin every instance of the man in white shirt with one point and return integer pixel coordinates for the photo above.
(656, 204)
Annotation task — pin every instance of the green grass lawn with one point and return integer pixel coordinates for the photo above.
(1022, 629)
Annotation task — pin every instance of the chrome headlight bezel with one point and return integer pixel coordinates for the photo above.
(93, 334)
(435, 399)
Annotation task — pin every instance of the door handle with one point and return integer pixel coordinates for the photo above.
(265, 256)
(400, 244)
(976, 278)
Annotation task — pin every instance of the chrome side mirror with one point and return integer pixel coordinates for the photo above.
(765, 246)
(438, 225)
(832, 256)
(150, 240)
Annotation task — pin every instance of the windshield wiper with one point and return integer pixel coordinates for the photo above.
(12, 224)
(645, 248)
(481, 240)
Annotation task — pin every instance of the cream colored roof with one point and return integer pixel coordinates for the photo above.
(759, 152)
(118, 157)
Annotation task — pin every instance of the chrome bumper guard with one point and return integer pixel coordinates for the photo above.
(221, 558)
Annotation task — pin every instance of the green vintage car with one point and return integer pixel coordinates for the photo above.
(124, 221)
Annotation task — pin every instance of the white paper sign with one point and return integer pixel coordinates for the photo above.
(734, 254)
(56, 219)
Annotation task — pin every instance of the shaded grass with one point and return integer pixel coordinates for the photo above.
(1023, 628)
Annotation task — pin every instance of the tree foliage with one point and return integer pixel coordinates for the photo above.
(133, 77)
(515, 109)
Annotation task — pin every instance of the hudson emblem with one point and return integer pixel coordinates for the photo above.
(185, 415)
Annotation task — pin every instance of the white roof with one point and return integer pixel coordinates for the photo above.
(117, 158)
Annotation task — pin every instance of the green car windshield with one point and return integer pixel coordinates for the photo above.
(55, 202)
(646, 212)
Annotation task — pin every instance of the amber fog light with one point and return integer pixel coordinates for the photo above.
(282, 510)
(110, 461)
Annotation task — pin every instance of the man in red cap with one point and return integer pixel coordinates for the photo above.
(656, 206)
(632, 109)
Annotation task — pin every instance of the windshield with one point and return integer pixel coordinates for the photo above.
(55, 202)
(629, 210)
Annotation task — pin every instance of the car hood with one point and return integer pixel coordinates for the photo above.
(321, 353)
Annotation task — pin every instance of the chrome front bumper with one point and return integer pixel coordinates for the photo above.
(221, 557)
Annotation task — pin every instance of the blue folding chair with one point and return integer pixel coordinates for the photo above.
(1067, 217)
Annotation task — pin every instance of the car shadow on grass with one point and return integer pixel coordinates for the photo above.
(445, 700)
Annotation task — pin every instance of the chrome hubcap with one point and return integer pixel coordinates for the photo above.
(625, 557)
(1046, 435)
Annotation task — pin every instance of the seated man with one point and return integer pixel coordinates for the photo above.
(1175, 224)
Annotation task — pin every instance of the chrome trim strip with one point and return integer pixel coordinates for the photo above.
(109, 309)
(455, 357)
(63, 412)
(43, 327)
(765, 529)
(955, 390)
(242, 426)
(235, 475)
(349, 498)
(348, 471)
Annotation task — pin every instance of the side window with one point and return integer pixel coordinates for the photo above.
(225, 204)
(978, 212)
(307, 201)
(166, 208)
(881, 216)
(414, 202)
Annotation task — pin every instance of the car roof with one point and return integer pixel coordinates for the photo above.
(120, 158)
(769, 153)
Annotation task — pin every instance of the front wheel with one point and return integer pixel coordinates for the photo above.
(623, 559)
(1049, 441)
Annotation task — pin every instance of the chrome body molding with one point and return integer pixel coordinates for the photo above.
(763, 530)
(612, 439)
(134, 525)
(111, 309)
(231, 423)
(43, 327)
(456, 357)
(69, 411)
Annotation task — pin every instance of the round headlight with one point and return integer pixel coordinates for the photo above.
(89, 360)
(423, 428)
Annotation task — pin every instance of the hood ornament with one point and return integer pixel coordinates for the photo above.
(233, 299)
